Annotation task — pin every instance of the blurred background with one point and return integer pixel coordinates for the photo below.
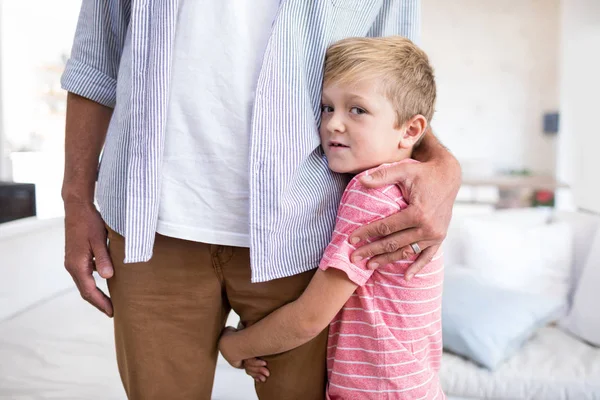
(518, 104)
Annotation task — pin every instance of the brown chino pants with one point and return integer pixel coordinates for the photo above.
(169, 313)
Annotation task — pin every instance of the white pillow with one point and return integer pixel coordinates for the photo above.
(529, 258)
(583, 319)
(488, 324)
(519, 217)
(584, 226)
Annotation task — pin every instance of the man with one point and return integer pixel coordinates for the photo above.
(212, 186)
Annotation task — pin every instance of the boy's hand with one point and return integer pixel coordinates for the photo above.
(257, 369)
(431, 189)
(225, 350)
(254, 367)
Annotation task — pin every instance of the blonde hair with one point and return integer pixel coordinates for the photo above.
(403, 69)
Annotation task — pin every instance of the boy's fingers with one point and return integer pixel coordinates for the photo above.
(255, 362)
(258, 371)
(257, 376)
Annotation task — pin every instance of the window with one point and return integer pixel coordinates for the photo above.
(36, 38)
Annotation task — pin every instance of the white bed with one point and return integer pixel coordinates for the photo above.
(53, 345)
(552, 366)
(63, 349)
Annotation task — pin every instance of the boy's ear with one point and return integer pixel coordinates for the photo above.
(414, 129)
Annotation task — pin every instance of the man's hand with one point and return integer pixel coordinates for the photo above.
(431, 188)
(86, 251)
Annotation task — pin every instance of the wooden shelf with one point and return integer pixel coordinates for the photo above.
(516, 182)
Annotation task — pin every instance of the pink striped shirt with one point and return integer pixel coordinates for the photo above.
(386, 342)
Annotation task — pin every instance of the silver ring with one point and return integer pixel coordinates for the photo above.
(416, 248)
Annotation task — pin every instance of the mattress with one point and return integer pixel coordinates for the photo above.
(552, 365)
(62, 348)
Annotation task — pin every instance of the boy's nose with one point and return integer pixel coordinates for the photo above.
(336, 124)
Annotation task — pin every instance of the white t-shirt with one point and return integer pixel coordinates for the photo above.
(218, 51)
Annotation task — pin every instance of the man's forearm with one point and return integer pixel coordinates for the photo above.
(86, 126)
(431, 150)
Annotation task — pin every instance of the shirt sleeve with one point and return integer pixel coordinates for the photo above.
(398, 17)
(92, 69)
(359, 206)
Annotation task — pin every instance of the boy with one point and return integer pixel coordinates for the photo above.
(385, 341)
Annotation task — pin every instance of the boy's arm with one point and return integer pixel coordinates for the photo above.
(293, 324)
(334, 282)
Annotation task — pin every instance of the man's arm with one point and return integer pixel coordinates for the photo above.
(85, 234)
(432, 185)
(293, 324)
(86, 126)
(431, 188)
(398, 17)
(93, 66)
(90, 77)
(432, 149)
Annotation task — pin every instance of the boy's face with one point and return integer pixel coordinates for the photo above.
(358, 128)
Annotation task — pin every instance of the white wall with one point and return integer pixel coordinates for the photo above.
(496, 66)
(35, 37)
(578, 160)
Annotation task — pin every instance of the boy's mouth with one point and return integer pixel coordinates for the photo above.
(334, 144)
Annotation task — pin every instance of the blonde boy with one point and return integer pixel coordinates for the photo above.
(385, 337)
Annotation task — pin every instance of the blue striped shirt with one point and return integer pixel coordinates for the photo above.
(121, 58)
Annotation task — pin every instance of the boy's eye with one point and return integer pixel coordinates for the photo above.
(357, 111)
(326, 109)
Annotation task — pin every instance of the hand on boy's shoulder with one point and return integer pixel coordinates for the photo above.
(429, 191)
